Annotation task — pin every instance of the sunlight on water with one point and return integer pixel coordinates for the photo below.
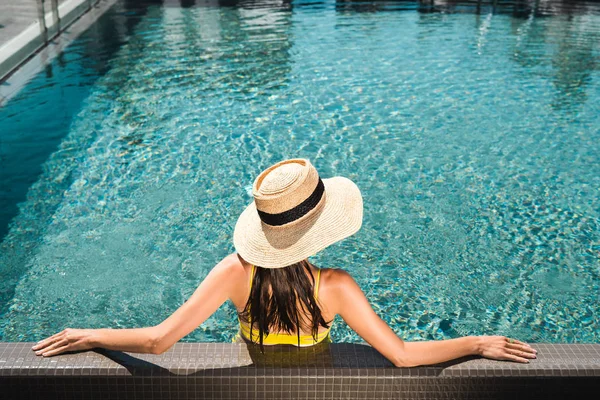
(474, 140)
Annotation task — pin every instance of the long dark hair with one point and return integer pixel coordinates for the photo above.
(278, 307)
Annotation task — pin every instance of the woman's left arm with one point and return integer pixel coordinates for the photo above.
(214, 290)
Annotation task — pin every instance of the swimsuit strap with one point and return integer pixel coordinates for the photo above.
(250, 286)
(251, 278)
(317, 284)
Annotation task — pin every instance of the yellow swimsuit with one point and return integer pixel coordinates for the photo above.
(283, 338)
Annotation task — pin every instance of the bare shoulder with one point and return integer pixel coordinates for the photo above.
(231, 266)
(338, 289)
(336, 278)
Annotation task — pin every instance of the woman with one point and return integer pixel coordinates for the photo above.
(282, 298)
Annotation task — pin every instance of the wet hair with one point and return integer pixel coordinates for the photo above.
(288, 306)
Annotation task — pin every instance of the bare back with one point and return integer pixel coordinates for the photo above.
(325, 297)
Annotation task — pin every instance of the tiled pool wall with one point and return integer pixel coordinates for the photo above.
(336, 371)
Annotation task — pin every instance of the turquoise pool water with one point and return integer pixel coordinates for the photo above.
(475, 139)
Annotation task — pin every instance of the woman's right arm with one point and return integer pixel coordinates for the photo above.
(354, 308)
(224, 279)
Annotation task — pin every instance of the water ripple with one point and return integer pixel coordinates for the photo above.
(474, 140)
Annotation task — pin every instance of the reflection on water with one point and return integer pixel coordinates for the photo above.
(573, 48)
(573, 65)
(517, 8)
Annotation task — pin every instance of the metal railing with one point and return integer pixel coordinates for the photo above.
(29, 25)
(51, 6)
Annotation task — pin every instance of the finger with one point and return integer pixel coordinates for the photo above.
(57, 335)
(515, 341)
(512, 357)
(520, 353)
(43, 344)
(46, 343)
(53, 346)
(521, 347)
(48, 340)
(55, 351)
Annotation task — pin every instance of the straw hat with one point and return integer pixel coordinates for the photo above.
(295, 214)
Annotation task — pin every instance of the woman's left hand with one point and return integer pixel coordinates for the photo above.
(67, 340)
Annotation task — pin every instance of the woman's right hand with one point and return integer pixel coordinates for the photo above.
(503, 348)
(66, 340)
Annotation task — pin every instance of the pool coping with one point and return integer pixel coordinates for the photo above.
(31, 39)
(27, 53)
(339, 370)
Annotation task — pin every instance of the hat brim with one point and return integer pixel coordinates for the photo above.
(279, 246)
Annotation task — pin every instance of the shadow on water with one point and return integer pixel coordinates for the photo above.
(34, 123)
(53, 99)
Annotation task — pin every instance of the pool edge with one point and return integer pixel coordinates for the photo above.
(341, 370)
(27, 54)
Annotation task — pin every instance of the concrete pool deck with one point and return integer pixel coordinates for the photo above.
(24, 55)
(24, 32)
(336, 371)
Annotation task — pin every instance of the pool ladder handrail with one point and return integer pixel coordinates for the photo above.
(41, 8)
